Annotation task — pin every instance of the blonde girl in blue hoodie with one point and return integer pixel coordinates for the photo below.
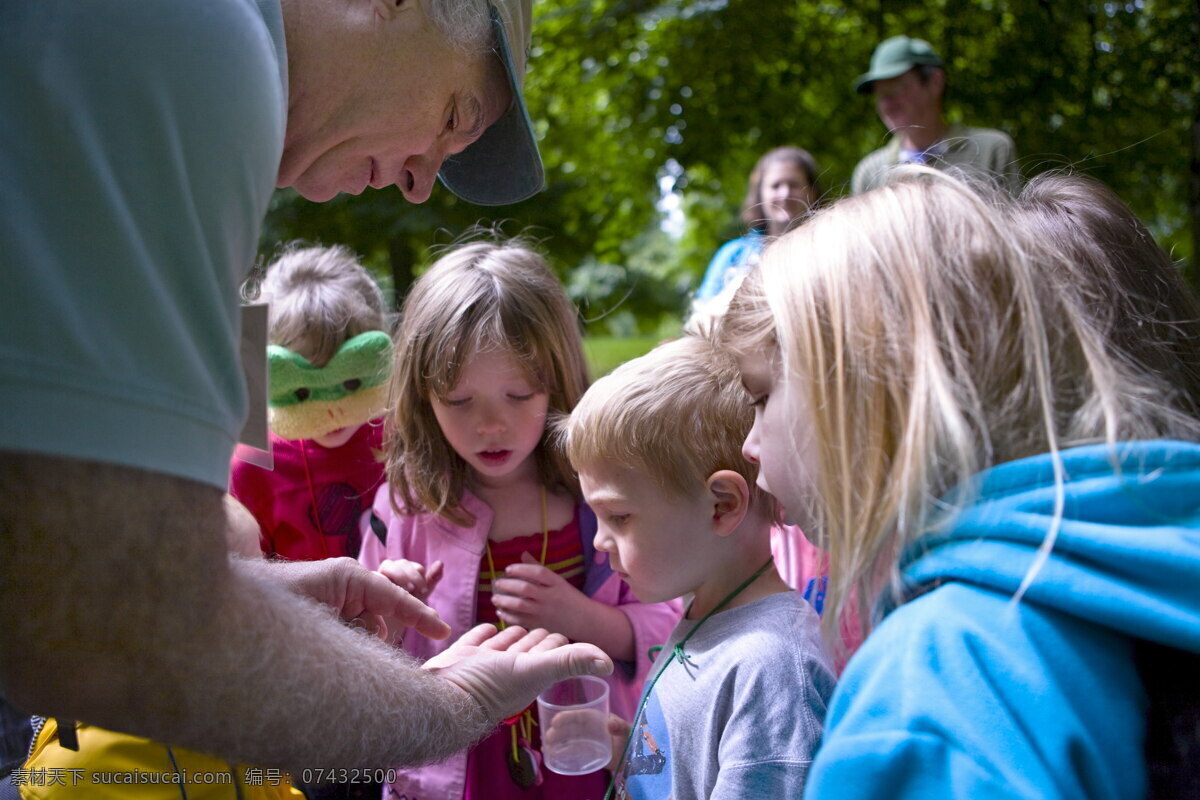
(942, 396)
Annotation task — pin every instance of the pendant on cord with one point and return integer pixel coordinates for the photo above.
(524, 763)
(526, 771)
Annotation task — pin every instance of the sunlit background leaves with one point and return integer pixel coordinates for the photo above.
(637, 102)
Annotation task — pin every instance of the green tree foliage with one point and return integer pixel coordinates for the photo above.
(619, 88)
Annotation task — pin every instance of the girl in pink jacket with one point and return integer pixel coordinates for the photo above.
(805, 568)
(481, 517)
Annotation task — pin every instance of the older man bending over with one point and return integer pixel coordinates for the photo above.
(142, 142)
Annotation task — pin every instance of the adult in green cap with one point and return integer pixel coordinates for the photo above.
(908, 81)
(142, 144)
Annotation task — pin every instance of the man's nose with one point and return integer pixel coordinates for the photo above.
(419, 173)
(888, 101)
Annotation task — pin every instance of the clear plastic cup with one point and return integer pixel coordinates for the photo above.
(573, 721)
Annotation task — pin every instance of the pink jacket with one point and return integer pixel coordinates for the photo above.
(806, 569)
(797, 560)
(426, 538)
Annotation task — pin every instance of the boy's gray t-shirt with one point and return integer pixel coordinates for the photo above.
(742, 716)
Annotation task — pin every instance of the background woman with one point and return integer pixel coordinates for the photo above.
(783, 186)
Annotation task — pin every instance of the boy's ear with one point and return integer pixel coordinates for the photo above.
(730, 497)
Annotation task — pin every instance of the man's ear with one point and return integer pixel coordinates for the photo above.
(729, 495)
(937, 80)
(386, 9)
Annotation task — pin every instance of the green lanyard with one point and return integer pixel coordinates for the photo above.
(678, 654)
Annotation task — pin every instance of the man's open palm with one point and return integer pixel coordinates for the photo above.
(504, 671)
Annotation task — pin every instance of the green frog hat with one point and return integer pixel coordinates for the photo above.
(307, 402)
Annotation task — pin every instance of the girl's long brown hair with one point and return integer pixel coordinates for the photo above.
(481, 296)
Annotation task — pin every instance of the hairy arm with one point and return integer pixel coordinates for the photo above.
(121, 607)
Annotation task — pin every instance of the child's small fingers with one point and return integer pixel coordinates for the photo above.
(514, 587)
(408, 575)
(530, 573)
(618, 730)
(398, 565)
(508, 605)
(617, 726)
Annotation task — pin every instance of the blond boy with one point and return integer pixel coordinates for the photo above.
(737, 701)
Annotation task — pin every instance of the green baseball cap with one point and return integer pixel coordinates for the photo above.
(503, 165)
(894, 57)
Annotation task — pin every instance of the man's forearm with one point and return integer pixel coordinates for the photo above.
(349, 699)
(120, 607)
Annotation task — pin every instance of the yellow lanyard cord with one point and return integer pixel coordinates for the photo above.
(487, 549)
(525, 722)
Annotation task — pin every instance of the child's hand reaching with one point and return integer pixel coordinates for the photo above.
(412, 577)
(619, 730)
(534, 596)
(573, 725)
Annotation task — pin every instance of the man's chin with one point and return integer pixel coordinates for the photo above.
(317, 194)
(312, 185)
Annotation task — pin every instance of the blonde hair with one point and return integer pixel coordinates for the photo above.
(320, 297)
(478, 297)
(675, 415)
(938, 343)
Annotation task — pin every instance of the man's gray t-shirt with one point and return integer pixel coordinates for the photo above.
(141, 149)
(741, 716)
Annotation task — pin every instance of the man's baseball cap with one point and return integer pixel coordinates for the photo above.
(503, 165)
(894, 57)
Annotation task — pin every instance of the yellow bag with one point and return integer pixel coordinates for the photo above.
(116, 766)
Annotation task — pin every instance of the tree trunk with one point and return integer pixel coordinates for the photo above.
(400, 255)
(1193, 272)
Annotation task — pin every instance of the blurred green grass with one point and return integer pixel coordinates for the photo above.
(606, 353)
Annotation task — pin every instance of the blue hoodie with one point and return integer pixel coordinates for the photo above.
(963, 693)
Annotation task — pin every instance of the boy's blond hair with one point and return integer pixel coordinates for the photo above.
(675, 415)
(320, 297)
(936, 341)
(484, 296)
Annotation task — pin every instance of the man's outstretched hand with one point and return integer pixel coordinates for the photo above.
(504, 671)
